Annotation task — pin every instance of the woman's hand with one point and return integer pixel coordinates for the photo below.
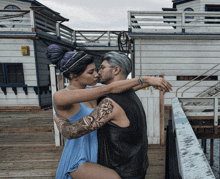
(158, 83)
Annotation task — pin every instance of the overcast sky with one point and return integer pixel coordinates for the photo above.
(102, 14)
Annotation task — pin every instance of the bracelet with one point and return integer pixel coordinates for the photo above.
(142, 80)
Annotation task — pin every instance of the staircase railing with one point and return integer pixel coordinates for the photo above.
(196, 79)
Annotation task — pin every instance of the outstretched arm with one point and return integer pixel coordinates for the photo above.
(66, 98)
(157, 82)
(100, 116)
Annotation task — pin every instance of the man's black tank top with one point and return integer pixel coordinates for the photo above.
(124, 149)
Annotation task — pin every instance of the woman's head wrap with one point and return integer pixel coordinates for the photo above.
(54, 53)
(68, 62)
(75, 62)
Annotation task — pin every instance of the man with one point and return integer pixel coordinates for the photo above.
(120, 120)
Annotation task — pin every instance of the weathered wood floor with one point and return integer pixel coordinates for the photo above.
(27, 147)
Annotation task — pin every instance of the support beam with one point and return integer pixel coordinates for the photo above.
(54, 89)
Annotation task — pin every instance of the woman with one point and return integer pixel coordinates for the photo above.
(79, 157)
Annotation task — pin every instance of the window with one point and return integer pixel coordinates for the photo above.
(189, 9)
(213, 8)
(11, 74)
(13, 7)
(189, 78)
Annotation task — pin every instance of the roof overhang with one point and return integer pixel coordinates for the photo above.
(49, 13)
(37, 6)
(176, 2)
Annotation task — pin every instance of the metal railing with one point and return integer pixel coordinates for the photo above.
(196, 79)
(173, 22)
(32, 21)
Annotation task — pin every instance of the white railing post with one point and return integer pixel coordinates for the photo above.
(183, 22)
(129, 21)
(54, 89)
(109, 39)
(74, 37)
(32, 18)
(58, 29)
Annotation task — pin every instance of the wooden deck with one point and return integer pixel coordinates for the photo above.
(27, 147)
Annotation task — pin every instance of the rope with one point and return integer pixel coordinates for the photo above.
(12, 16)
(122, 42)
(92, 40)
(127, 41)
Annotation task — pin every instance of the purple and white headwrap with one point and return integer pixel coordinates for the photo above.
(54, 53)
(68, 61)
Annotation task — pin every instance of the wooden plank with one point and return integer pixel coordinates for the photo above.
(27, 173)
(29, 165)
(154, 176)
(27, 139)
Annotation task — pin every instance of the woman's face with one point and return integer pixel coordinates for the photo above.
(89, 76)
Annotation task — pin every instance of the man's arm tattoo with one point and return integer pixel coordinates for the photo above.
(87, 124)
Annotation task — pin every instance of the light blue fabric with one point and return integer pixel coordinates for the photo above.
(78, 151)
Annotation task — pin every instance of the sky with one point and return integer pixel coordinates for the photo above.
(102, 14)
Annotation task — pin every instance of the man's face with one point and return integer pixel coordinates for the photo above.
(105, 72)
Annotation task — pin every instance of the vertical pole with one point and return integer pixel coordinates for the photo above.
(161, 118)
(183, 22)
(129, 21)
(60, 82)
(216, 116)
(219, 159)
(132, 60)
(58, 29)
(53, 89)
(211, 151)
(60, 85)
(140, 59)
(74, 37)
(32, 18)
(109, 39)
(205, 145)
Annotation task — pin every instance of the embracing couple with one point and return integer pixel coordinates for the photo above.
(105, 126)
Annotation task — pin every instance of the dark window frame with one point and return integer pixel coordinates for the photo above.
(18, 8)
(6, 74)
(189, 78)
(188, 17)
(212, 8)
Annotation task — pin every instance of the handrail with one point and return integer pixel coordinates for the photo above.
(168, 22)
(192, 162)
(197, 78)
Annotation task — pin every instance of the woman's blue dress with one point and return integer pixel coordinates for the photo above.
(78, 151)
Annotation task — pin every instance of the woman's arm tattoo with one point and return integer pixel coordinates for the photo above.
(87, 124)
